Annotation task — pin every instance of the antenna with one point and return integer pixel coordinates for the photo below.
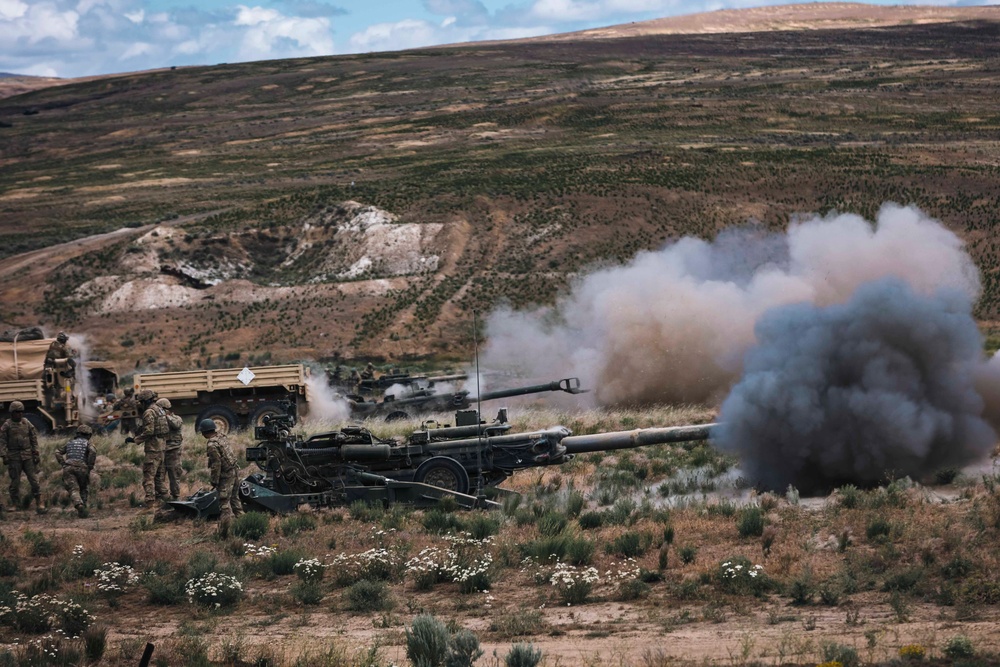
(479, 409)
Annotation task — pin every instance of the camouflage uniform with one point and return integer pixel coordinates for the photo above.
(154, 428)
(172, 455)
(19, 448)
(223, 466)
(77, 458)
(58, 354)
(127, 405)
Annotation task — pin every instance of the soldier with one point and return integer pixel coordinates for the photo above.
(224, 469)
(172, 453)
(60, 356)
(19, 449)
(369, 372)
(129, 410)
(77, 458)
(152, 432)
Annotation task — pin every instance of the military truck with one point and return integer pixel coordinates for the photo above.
(54, 398)
(233, 398)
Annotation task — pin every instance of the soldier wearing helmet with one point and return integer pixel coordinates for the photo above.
(19, 449)
(77, 458)
(224, 469)
(152, 434)
(369, 372)
(60, 355)
(128, 407)
(172, 450)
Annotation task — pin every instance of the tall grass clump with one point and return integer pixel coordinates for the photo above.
(251, 525)
(369, 596)
(750, 522)
(523, 655)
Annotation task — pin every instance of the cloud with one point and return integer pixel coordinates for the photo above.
(82, 37)
(312, 9)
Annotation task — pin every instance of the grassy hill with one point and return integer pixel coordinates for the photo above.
(497, 172)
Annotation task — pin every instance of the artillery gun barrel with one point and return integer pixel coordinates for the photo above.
(554, 434)
(602, 442)
(448, 378)
(569, 385)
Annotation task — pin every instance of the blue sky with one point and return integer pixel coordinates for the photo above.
(70, 38)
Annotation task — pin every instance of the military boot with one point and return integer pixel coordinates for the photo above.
(81, 511)
(39, 508)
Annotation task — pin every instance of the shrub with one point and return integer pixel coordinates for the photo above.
(635, 589)
(251, 525)
(368, 596)
(903, 581)
(8, 566)
(427, 642)
(841, 653)
(739, 576)
(687, 554)
(359, 510)
(309, 570)
(481, 526)
(750, 522)
(552, 524)
(214, 590)
(307, 592)
(283, 562)
(591, 520)
(959, 647)
(375, 564)
(523, 655)
(801, 590)
(850, 496)
(95, 642)
(165, 590)
(629, 545)
(437, 521)
(878, 528)
(914, 652)
(575, 503)
(39, 544)
(201, 563)
(297, 523)
(573, 584)
(114, 579)
(464, 649)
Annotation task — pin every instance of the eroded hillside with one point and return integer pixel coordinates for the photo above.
(365, 205)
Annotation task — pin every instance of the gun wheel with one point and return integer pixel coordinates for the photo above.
(396, 416)
(444, 473)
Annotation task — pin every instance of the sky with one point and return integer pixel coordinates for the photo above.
(71, 38)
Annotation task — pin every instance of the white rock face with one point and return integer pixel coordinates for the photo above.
(145, 294)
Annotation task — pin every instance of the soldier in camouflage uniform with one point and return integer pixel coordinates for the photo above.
(19, 449)
(224, 469)
(152, 433)
(128, 406)
(77, 458)
(172, 453)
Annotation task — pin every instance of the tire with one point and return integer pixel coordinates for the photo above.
(269, 408)
(224, 418)
(41, 424)
(443, 472)
(397, 415)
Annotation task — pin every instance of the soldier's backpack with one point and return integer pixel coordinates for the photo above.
(161, 426)
(227, 453)
(175, 423)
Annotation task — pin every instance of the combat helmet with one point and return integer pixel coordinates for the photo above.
(129, 391)
(144, 396)
(16, 406)
(207, 426)
(84, 430)
(163, 403)
(62, 337)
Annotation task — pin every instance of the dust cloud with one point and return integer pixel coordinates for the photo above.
(882, 385)
(673, 325)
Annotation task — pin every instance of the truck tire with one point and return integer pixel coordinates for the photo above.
(443, 472)
(224, 418)
(396, 416)
(269, 408)
(41, 424)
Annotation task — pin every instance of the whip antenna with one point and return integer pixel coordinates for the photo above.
(479, 409)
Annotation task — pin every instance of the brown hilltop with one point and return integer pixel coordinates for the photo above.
(809, 16)
(364, 205)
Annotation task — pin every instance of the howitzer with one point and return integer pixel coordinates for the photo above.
(427, 400)
(461, 461)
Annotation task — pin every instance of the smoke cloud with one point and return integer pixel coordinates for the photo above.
(674, 325)
(325, 405)
(884, 384)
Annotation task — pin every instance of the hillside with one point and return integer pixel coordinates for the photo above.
(364, 205)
